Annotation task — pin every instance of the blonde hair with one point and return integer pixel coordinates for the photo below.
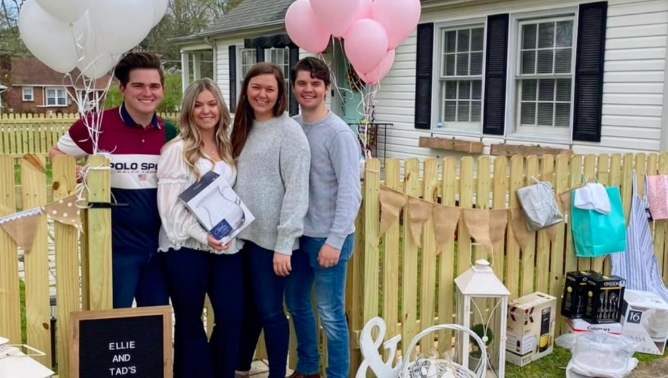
(189, 132)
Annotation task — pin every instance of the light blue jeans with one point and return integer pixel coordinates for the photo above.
(330, 289)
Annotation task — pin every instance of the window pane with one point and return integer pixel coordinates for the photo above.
(529, 36)
(62, 101)
(563, 115)
(51, 101)
(449, 65)
(564, 90)
(562, 63)
(528, 113)
(476, 63)
(529, 88)
(464, 90)
(528, 62)
(545, 114)
(451, 90)
(463, 64)
(463, 111)
(462, 40)
(546, 35)
(450, 111)
(546, 90)
(545, 61)
(477, 39)
(476, 110)
(476, 90)
(451, 41)
(564, 33)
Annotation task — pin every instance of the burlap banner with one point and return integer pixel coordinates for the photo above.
(66, 212)
(22, 227)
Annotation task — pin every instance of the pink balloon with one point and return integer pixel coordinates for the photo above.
(398, 17)
(365, 44)
(365, 9)
(375, 75)
(304, 29)
(336, 15)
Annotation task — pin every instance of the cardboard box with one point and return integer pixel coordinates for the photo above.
(605, 296)
(530, 330)
(583, 326)
(645, 321)
(575, 294)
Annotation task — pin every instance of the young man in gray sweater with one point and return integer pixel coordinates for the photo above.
(327, 242)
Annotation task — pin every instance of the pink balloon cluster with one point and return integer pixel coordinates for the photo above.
(371, 30)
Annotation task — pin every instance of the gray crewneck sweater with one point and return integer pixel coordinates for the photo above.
(334, 195)
(273, 182)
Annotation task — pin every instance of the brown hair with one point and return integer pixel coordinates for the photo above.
(316, 67)
(189, 132)
(243, 118)
(135, 60)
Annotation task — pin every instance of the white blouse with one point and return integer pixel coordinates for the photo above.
(179, 227)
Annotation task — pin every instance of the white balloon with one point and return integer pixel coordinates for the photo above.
(94, 61)
(51, 41)
(121, 25)
(64, 10)
(160, 8)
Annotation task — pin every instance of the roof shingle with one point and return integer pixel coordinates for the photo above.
(249, 14)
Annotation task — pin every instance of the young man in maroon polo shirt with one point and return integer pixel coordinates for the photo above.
(133, 134)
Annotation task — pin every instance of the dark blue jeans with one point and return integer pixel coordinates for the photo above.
(264, 310)
(191, 275)
(138, 276)
(330, 290)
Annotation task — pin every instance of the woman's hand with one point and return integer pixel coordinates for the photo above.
(282, 265)
(217, 244)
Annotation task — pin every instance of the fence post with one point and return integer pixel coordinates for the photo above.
(67, 260)
(99, 234)
(10, 318)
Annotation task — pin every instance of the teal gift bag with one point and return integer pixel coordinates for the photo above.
(596, 234)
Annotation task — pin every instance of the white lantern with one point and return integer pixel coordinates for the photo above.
(482, 305)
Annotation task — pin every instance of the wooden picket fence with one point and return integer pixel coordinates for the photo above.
(412, 288)
(35, 133)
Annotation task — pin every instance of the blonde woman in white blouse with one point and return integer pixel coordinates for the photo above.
(196, 264)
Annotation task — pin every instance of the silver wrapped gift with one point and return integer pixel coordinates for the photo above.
(539, 206)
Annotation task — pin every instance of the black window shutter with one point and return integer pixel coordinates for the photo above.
(233, 77)
(587, 112)
(423, 75)
(294, 58)
(496, 68)
(259, 54)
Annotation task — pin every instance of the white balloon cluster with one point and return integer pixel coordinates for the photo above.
(86, 34)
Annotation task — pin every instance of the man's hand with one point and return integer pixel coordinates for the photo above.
(328, 256)
(217, 244)
(282, 266)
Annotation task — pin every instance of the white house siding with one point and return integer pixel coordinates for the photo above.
(635, 65)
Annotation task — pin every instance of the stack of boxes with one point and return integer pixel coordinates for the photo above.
(593, 302)
(596, 302)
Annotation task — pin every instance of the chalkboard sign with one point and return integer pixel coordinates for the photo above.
(132, 342)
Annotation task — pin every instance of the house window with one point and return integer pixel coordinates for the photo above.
(281, 57)
(28, 94)
(56, 97)
(248, 59)
(460, 73)
(544, 76)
